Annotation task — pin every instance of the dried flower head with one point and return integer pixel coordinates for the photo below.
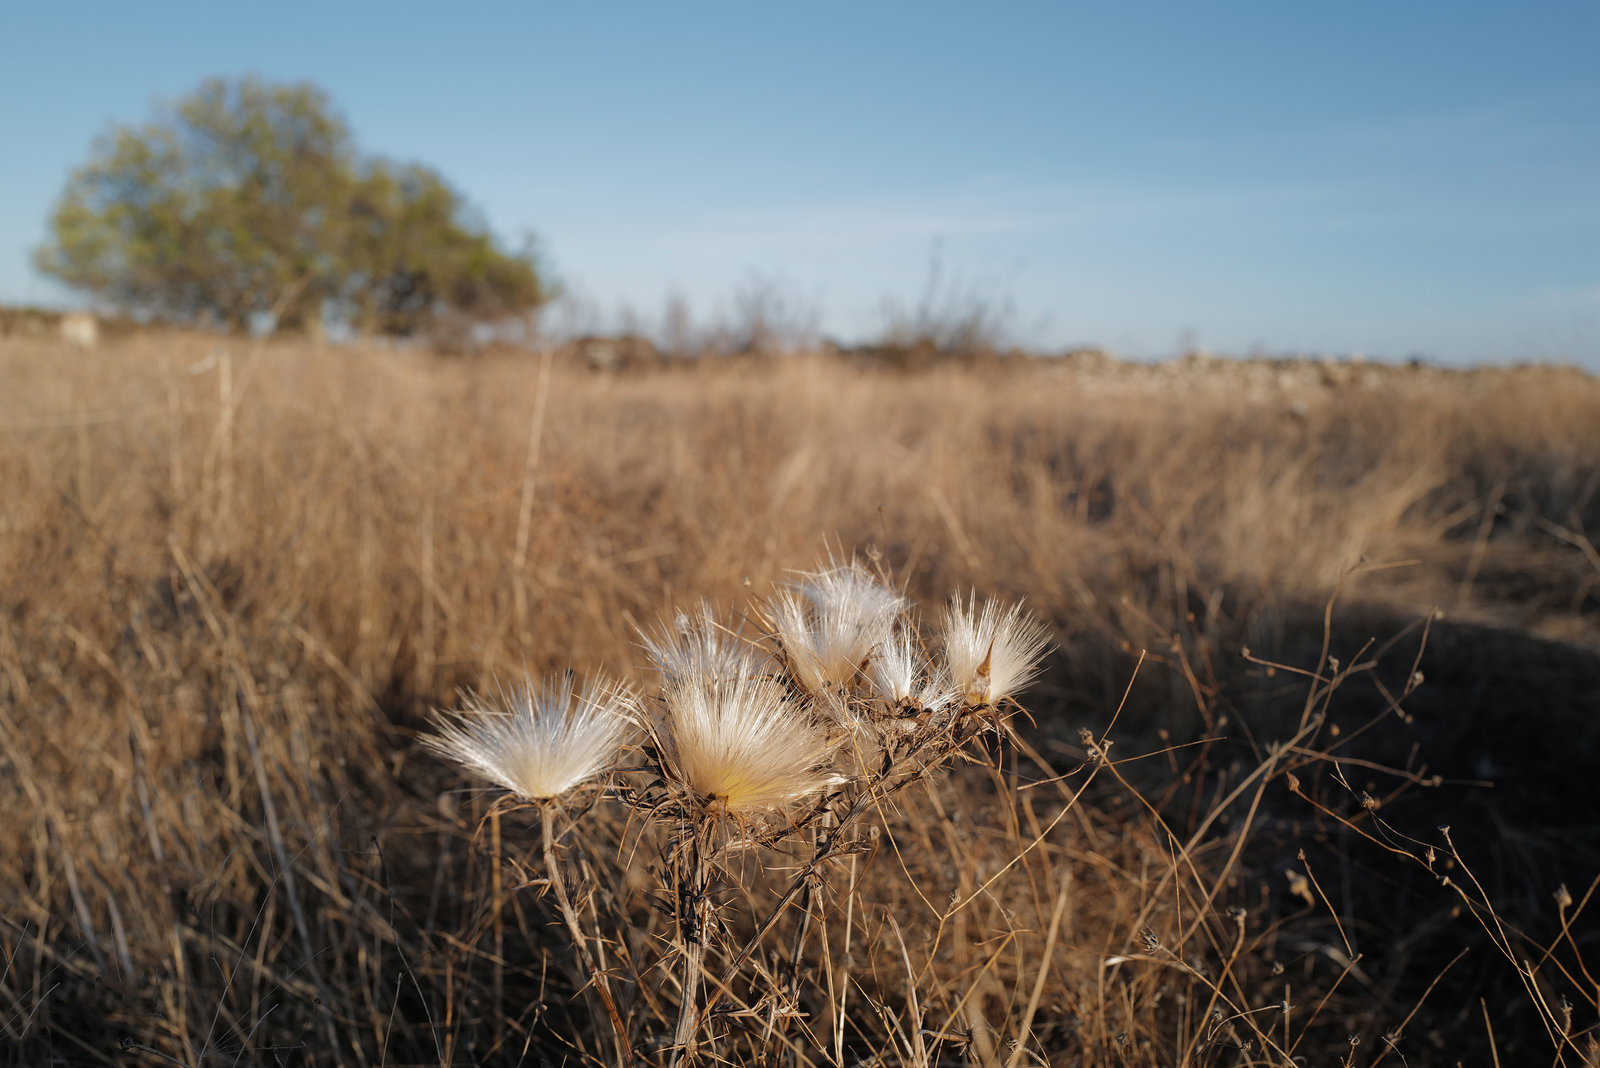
(742, 743)
(830, 623)
(992, 653)
(896, 668)
(699, 646)
(902, 678)
(540, 745)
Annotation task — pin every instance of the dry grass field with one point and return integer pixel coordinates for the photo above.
(1309, 775)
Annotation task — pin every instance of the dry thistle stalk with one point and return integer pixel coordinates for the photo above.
(731, 747)
(541, 747)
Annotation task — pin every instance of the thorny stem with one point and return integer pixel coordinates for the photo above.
(600, 983)
(804, 927)
(691, 906)
(801, 932)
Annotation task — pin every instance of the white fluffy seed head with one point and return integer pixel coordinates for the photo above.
(937, 693)
(540, 745)
(852, 589)
(698, 646)
(991, 653)
(902, 678)
(831, 622)
(742, 743)
(896, 669)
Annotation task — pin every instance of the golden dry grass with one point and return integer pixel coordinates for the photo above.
(236, 579)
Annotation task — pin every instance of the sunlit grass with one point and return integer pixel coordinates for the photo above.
(237, 583)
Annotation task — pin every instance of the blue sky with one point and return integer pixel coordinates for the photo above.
(1385, 178)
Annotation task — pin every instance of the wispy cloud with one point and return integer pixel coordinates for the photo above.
(983, 213)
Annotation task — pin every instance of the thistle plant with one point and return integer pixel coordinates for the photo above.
(541, 747)
(756, 743)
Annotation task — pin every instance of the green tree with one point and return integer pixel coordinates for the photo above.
(421, 262)
(248, 198)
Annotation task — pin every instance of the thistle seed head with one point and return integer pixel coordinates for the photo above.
(831, 621)
(742, 743)
(540, 744)
(902, 678)
(699, 646)
(991, 653)
(896, 669)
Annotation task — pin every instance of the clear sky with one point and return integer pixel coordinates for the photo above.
(1388, 178)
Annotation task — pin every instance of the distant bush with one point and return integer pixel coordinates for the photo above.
(949, 322)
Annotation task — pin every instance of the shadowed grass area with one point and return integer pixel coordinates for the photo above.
(234, 580)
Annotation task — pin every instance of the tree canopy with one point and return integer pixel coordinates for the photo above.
(248, 198)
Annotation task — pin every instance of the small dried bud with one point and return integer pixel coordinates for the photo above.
(1300, 887)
